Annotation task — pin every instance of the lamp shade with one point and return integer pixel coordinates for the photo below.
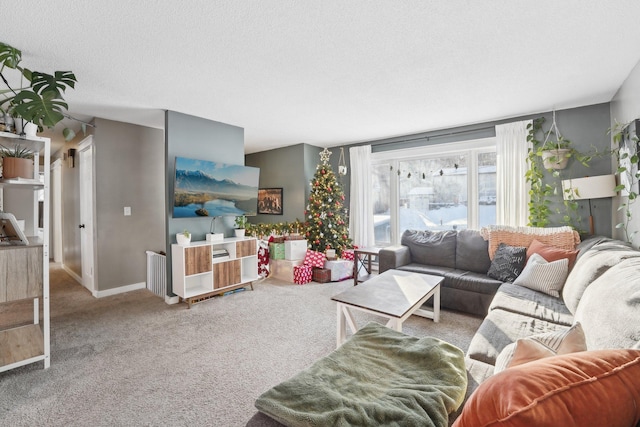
(590, 187)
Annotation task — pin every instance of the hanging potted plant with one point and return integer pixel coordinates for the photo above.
(556, 154)
(555, 150)
(17, 162)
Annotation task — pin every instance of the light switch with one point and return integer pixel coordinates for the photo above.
(127, 211)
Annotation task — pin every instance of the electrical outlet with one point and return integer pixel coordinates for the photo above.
(127, 211)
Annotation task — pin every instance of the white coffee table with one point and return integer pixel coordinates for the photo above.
(394, 294)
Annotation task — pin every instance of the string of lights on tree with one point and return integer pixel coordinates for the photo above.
(326, 215)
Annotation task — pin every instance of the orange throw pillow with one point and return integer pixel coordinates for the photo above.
(590, 388)
(551, 253)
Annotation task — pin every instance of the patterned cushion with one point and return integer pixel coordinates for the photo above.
(507, 263)
(543, 276)
(542, 345)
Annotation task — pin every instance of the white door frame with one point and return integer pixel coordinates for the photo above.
(56, 212)
(86, 159)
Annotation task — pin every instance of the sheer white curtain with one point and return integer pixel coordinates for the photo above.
(512, 188)
(361, 206)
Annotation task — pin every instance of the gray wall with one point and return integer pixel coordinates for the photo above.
(129, 171)
(196, 138)
(625, 107)
(586, 127)
(290, 168)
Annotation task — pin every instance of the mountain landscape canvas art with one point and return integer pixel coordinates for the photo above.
(206, 188)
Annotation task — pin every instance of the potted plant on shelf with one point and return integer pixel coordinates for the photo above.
(183, 238)
(38, 97)
(17, 162)
(241, 224)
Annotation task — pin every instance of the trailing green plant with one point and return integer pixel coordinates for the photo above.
(545, 183)
(186, 233)
(631, 172)
(17, 151)
(39, 99)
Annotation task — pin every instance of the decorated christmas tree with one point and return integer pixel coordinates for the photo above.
(326, 215)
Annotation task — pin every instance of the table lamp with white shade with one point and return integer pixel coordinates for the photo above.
(587, 188)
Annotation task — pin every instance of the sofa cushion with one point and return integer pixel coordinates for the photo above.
(474, 282)
(610, 307)
(431, 247)
(590, 265)
(551, 253)
(472, 252)
(543, 276)
(565, 390)
(539, 346)
(501, 328)
(426, 269)
(507, 263)
(531, 303)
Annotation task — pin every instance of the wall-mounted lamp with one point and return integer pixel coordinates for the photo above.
(71, 157)
(590, 187)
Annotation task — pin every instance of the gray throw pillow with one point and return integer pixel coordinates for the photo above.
(507, 263)
(431, 247)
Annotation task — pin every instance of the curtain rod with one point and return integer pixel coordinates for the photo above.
(429, 137)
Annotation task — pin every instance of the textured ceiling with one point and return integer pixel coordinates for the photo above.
(329, 72)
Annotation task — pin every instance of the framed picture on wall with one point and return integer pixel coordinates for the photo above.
(629, 147)
(270, 201)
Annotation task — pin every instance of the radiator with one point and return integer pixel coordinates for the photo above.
(157, 273)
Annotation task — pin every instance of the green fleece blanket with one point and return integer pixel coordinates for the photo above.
(378, 377)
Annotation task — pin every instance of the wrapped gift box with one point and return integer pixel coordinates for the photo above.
(321, 275)
(301, 274)
(347, 254)
(340, 269)
(283, 269)
(276, 250)
(295, 249)
(314, 259)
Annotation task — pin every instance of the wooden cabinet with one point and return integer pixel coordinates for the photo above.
(199, 275)
(24, 269)
(197, 260)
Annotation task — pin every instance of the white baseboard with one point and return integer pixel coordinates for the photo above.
(72, 274)
(120, 290)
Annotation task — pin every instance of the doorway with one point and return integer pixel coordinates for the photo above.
(87, 204)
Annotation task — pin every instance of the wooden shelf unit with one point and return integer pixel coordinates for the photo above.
(25, 268)
(197, 275)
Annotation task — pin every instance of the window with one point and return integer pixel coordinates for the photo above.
(443, 187)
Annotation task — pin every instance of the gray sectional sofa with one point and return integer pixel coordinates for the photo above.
(461, 257)
(602, 292)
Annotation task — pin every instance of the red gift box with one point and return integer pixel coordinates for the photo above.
(347, 254)
(321, 275)
(314, 259)
(302, 274)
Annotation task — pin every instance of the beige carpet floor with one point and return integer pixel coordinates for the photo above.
(132, 360)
